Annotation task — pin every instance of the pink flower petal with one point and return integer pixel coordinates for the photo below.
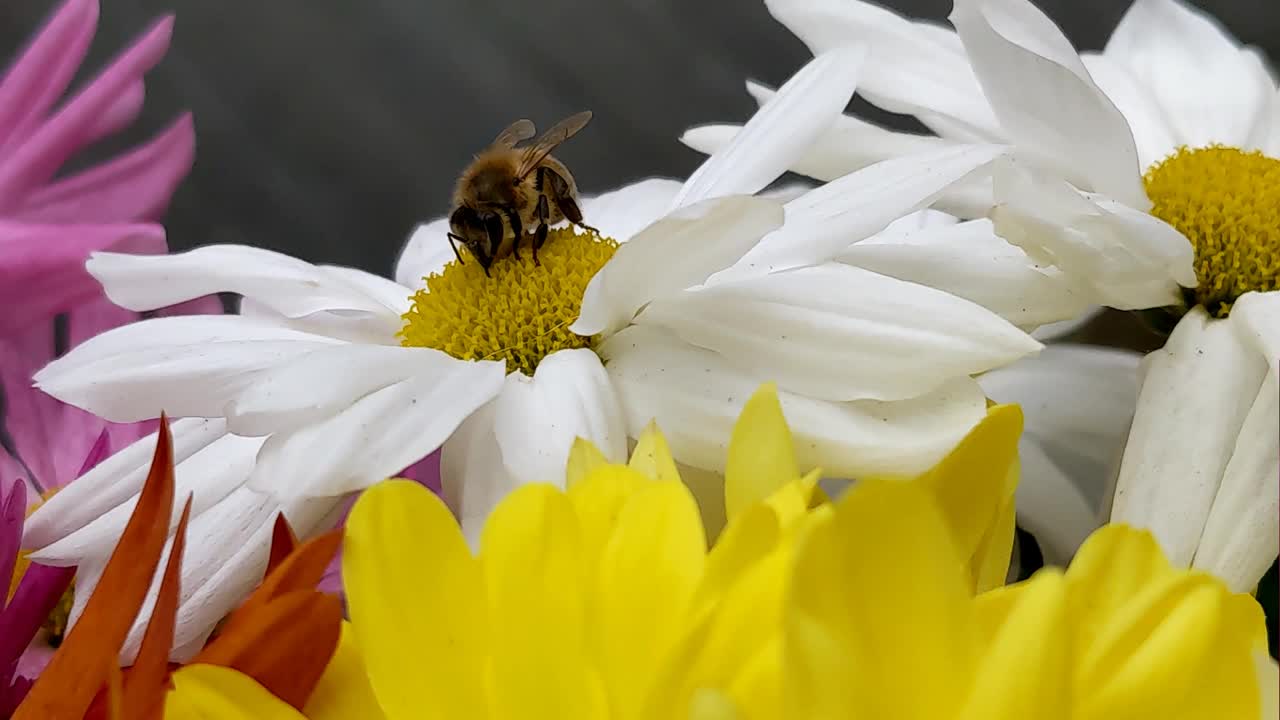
(37, 158)
(35, 598)
(44, 265)
(41, 74)
(134, 186)
(13, 509)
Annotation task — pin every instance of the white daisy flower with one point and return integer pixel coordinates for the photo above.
(1148, 176)
(333, 379)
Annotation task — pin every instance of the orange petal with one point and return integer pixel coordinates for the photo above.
(283, 542)
(80, 667)
(284, 644)
(144, 690)
(301, 570)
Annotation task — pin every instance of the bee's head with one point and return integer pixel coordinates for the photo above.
(481, 231)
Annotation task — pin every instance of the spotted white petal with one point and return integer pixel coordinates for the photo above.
(112, 482)
(1126, 258)
(208, 476)
(185, 366)
(838, 332)
(971, 261)
(290, 286)
(912, 68)
(320, 384)
(473, 476)
(1211, 89)
(825, 221)
(621, 214)
(772, 140)
(427, 251)
(378, 434)
(1195, 394)
(695, 396)
(681, 250)
(1046, 100)
(537, 419)
(1078, 402)
(1242, 533)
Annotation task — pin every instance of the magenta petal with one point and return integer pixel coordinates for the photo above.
(41, 74)
(134, 186)
(35, 658)
(13, 510)
(36, 160)
(44, 265)
(121, 114)
(37, 594)
(426, 472)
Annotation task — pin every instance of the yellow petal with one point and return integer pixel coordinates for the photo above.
(416, 601)
(212, 692)
(708, 490)
(652, 457)
(1025, 671)
(879, 609)
(531, 550)
(584, 457)
(713, 705)
(971, 483)
(793, 500)
(744, 542)
(344, 691)
(762, 458)
(645, 581)
(989, 565)
(1112, 566)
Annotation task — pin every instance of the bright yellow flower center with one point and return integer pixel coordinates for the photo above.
(520, 313)
(56, 624)
(1227, 203)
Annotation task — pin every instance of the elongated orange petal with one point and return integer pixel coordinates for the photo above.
(301, 570)
(283, 542)
(284, 643)
(80, 667)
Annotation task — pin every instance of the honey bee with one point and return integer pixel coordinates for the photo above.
(507, 193)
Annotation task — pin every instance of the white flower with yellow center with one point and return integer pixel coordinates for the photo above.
(333, 379)
(1148, 177)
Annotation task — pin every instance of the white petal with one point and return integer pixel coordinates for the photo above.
(679, 251)
(379, 434)
(1194, 398)
(185, 366)
(112, 482)
(321, 383)
(971, 261)
(1050, 504)
(290, 286)
(1128, 259)
(822, 223)
(842, 333)
(426, 252)
(473, 477)
(912, 68)
(538, 418)
(622, 213)
(1242, 534)
(696, 397)
(1211, 90)
(392, 295)
(209, 476)
(772, 140)
(1152, 136)
(1079, 400)
(1045, 99)
(1256, 317)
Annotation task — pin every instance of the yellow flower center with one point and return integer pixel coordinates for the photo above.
(520, 313)
(1227, 203)
(56, 624)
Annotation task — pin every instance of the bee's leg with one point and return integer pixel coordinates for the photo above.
(454, 245)
(540, 234)
(517, 229)
(558, 189)
(484, 259)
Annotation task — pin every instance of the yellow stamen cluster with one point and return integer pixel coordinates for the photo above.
(1227, 203)
(520, 313)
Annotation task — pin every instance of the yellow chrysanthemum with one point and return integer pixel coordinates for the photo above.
(879, 624)
(603, 600)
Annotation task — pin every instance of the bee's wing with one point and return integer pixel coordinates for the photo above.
(562, 131)
(517, 131)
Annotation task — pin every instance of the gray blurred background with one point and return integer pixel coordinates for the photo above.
(329, 128)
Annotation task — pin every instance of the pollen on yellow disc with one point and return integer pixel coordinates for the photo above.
(1227, 203)
(520, 312)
